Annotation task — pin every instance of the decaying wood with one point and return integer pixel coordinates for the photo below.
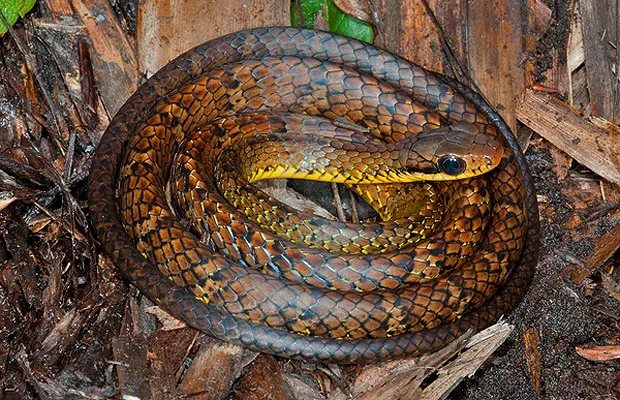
(63, 311)
(478, 350)
(600, 37)
(264, 379)
(591, 146)
(542, 17)
(575, 52)
(213, 370)
(575, 70)
(168, 28)
(167, 353)
(59, 7)
(605, 247)
(409, 379)
(531, 339)
(561, 162)
(116, 66)
(611, 287)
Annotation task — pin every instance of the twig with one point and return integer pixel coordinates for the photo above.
(338, 202)
(354, 214)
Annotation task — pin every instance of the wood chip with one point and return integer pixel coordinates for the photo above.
(591, 146)
(169, 322)
(561, 163)
(301, 389)
(605, 247)
(531, 341)
(433, 376)
(263, 380)
(130, 359)
(542, 15)
(212, 371)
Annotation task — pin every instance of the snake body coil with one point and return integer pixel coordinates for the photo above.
(269, 293)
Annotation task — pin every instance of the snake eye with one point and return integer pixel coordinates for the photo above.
(452, 165)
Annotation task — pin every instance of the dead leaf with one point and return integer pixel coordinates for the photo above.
(611, 287)
(168, 322)
(320, 23)
(599, 353)
(360, 9)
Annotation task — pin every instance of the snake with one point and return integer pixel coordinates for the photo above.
(405, 287)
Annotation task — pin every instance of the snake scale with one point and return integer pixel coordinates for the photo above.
(270, 294)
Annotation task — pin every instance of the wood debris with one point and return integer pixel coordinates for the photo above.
(585, 142)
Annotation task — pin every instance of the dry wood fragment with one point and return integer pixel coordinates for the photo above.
(264, 380)
(277, 189)
(478, 349)
(605, 247)
(561, 162)
(213, 370)
(167, 362)
(169, 323)
(556, 78)
(531, 341)
(542, 17)
(114, 60)
(132, 370)
(59, 7)
(591, 146)
(575, 52)
(301, 389)
(530, 42)
(600, 37)
(402, 379)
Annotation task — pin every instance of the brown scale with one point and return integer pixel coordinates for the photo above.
(264, 312)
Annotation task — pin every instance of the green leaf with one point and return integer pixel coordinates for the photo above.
(344, 24)
(12, 10)
(309, 9)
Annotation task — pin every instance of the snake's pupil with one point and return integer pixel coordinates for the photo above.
(452, 165)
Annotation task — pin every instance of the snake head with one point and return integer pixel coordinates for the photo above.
(451, 152)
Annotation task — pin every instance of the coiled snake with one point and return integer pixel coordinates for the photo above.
(269, 293)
